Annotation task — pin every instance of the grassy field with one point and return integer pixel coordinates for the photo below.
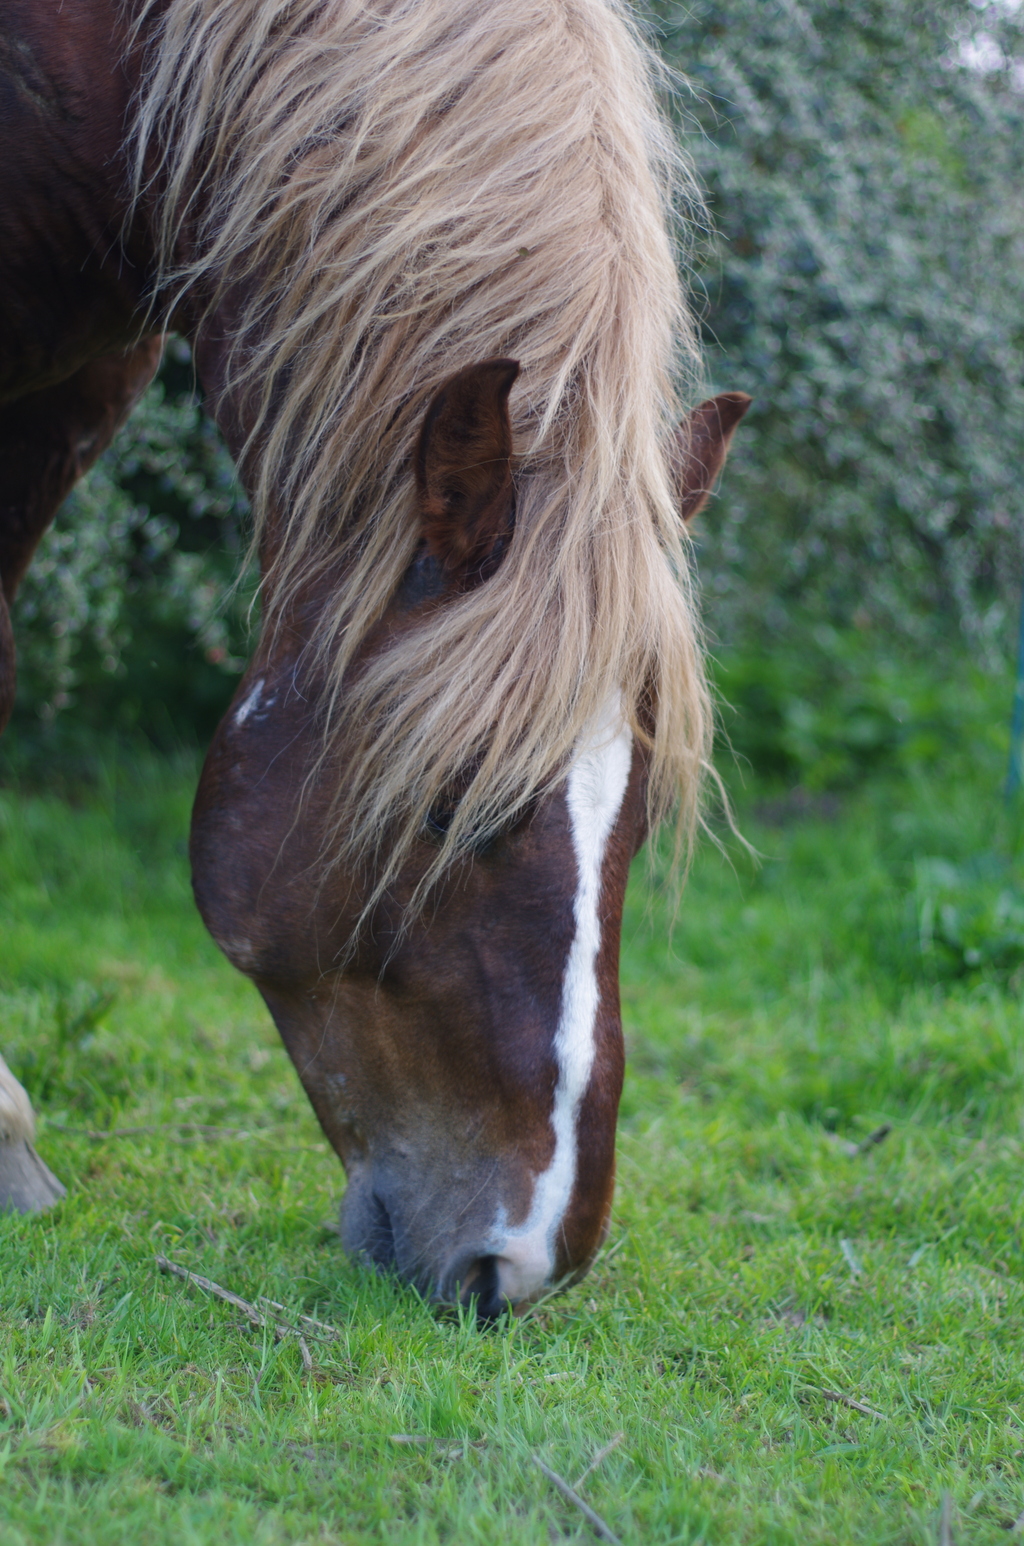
(800, 1335)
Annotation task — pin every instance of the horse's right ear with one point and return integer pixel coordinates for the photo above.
(464, 470)
(701, 446)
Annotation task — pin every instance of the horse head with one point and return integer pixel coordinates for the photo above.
(460, 1044)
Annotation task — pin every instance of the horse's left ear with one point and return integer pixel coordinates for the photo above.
(464, 469)
(701, 446)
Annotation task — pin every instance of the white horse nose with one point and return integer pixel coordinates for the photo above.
(523, 1268)
(507, 1279)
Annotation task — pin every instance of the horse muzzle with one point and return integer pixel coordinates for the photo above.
(451, 1254)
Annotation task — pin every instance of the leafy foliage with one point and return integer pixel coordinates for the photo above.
(128, 609)
(864, 165)
(58, 1058)
(970, 916)
(838, 708)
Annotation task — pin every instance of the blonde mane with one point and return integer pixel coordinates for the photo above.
(399, 188)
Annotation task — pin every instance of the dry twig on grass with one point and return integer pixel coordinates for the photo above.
(602, 1455)
(595, 1521)
(856, 1406)
(444, 1450)
(850, 1257)
(853, 1149)
(307, 1320)
(255, 1316)
(209, 1287)
(946, 1520)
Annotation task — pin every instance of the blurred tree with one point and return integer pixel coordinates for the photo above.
(130, 610)
(865, 283)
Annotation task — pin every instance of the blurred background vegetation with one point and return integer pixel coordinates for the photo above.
(862, 277)
(130, 623)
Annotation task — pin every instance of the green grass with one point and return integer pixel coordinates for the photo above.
(867, 973)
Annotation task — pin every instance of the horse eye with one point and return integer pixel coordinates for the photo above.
(439, 820)
(437, 823)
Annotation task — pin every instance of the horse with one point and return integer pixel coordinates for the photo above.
(422, 252)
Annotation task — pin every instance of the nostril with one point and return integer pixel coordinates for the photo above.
(380, 1235)
(481, 1285)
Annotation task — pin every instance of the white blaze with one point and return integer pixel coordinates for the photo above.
(249, 703)
(595, 789)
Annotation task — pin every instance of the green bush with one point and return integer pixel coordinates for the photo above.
(837, 705)
(56, 1055)
(130, 612)
(864, 164)
(971, 916)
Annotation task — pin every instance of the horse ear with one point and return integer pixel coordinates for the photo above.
(464, 468)
(701, 446)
